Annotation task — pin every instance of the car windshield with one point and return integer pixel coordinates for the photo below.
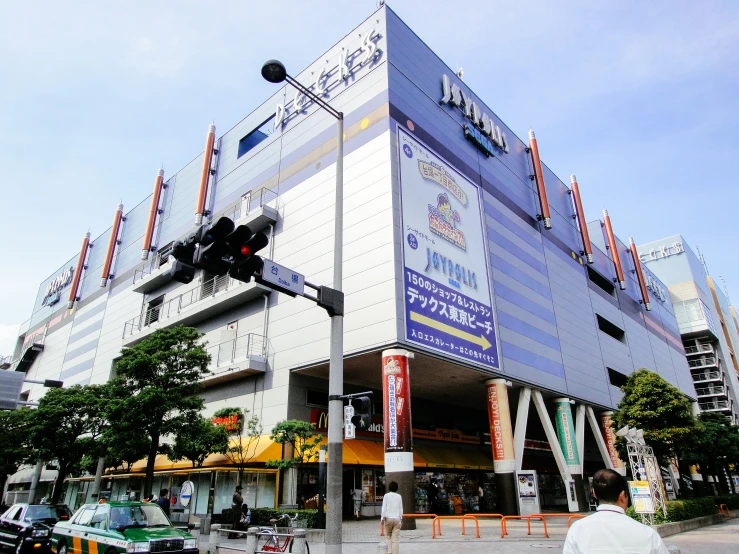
(137, 516)
(56, 513)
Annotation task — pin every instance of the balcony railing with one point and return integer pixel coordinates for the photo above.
(32, 347)
(707, 376)
(698, 349)
(175, 305)
(709, 361)
(719, 390)
(149, 267)
(717, 405)
(251, 201)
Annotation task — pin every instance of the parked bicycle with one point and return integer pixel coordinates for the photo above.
(270, 540)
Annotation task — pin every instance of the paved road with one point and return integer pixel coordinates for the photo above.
(722, 538)
(362, 538)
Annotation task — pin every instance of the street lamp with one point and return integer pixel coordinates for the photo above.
(275, 72)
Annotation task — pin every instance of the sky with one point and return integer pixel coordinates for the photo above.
(639, 99)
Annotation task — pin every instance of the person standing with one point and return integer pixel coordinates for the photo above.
(357, 499)
(433, 496)
(610, 529)
(236, 502)
(392, 518)
(163, 501)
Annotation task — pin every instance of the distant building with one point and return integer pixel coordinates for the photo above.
(706, 320)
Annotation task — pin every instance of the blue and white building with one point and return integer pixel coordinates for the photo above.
(445, 254)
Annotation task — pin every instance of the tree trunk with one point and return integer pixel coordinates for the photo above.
(685, 492)
(59, 485)
(149, 479)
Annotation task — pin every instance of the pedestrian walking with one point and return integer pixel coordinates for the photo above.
(610, 529)
(163, 501)
(392, 518)
(357, 498)
(433, 496)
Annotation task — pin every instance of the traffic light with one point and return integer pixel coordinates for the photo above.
(183, 268)
(244, 244)
(212, 247)
(362, 417)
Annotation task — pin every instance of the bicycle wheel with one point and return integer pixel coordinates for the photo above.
(307, 548)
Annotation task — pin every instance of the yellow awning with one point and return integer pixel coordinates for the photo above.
(266, 449)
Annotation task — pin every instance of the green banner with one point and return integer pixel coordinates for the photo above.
(566, 432)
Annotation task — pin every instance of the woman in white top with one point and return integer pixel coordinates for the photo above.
(392, 517)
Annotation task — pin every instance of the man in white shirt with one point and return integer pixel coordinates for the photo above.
(610, 530)
(392, 517)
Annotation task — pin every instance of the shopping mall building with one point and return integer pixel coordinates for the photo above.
(460, 247)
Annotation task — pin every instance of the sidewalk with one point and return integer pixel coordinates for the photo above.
(722, 538)
(361, 537)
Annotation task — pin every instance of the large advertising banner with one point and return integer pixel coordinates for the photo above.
(610, 439)
(448, 305)
(566, 432)
(501, 431)
(396, 406)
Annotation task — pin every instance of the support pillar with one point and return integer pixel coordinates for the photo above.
(610, 439)
(34, 482)
(396, 407)
(522, 420)
(567, 441)
(501, 438)
(98, 478)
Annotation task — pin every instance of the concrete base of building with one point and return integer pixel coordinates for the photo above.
(507, 497)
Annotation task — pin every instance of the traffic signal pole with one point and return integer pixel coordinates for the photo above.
(334, 485)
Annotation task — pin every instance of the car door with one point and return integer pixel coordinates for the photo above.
(79, 528)
(94, 537)
(9, 526)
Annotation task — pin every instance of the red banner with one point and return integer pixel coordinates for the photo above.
(396, 396)
(501, 432)
(610, 438)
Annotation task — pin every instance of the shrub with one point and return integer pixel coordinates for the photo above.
(732, 501)
(261, 516)
(680, 510)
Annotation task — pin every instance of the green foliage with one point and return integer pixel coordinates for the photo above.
(243, 448)
(156, 386)
(225, 412)
(681, 510)
(714, 445)
(660, 409)
(301, 436)
(731, 500)
(261, 516)
(15, 452)
(196, 439)
(66, 427)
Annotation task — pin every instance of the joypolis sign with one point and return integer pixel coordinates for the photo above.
(54, 289)
(483, 133)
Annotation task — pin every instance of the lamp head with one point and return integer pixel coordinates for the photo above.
(274, 71)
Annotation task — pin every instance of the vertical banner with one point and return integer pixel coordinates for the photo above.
(501, 432)
(610, 439)
(566, 432)
(448, 306)
(396, 407)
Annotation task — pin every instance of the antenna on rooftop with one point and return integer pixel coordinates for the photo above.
(460, 72)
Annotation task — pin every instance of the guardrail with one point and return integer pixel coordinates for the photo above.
(504, 527)
(702, 362)
(437, 523)
(707, 376)
(718, 405)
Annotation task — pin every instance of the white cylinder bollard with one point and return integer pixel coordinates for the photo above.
(251, 540)
(213, 538)
(298, 546)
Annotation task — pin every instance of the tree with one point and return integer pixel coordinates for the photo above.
(715, 445)
(243, 448)
(196, 439)
(661, 410)
(66, 426)
(156, 386)
(15, 450)
(124, 445)
(302, 440)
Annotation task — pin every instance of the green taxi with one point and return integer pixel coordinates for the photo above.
(120, 527)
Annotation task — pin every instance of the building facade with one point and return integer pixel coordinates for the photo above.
(707, 325)
(459, 247)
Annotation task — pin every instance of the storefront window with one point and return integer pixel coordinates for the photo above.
(456, 492)
(373, 485)
(201, 493)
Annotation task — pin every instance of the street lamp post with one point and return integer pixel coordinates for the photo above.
(275, 72)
